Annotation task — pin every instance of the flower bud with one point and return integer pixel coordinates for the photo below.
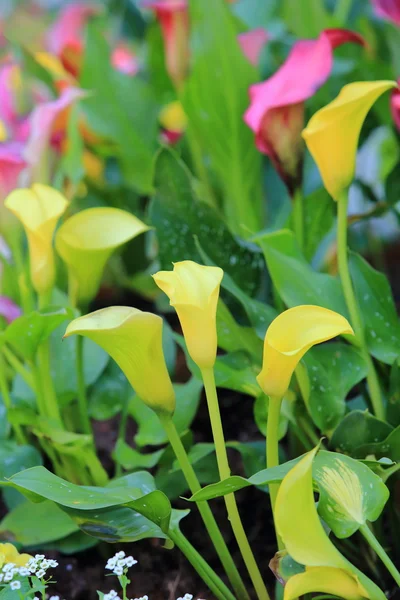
(134, 340)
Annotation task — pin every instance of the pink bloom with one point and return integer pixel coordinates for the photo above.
(277, 104)
(43, 123)
(12, 164)
(252, 42)
(174, 20)
(388, 9)
(395, 106)
(8, 309)
(68, 30)
(124, 61)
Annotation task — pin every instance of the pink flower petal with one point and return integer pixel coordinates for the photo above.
(8, 309)
(395, 106)
(307, 67)
(12, 164)
(388, 9)
(252, 42)
(42, 121)
(124, 60)
(68, 29)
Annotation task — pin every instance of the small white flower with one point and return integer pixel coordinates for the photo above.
(8, 576)
(54, 598)
(120, 554)
(41, 573)
(112, 595)
(8, 567)
(188, 597)
(24, 572)
(130, 561)
(36, 598)
(52, 563)
(15, 585)
(111, 563)
(45, 564)
(39, 557)
(118, 571)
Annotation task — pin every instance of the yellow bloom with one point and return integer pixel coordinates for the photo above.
(300, 528)
(289, 337)
(134, 340)
(9, 554)
(193, 291)
(173, 118)
(86, 241)
(3, 131)
(332, 133)
(39, 209)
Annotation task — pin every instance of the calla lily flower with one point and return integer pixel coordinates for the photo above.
(9, 554)
(395, 106)
(193, 291)
(289, 337)
(38, 209)
(388, 9)
(332, 132)
(276, 112)
(173, 120)
(12, 164)
(124, 61)
(9, 310)
(174, 20)
(300, 528)
(252, 42)
(86, 241)
(134, 340)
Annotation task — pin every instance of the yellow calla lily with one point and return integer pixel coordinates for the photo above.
(299, 526)
(193, 291)
(86, 241)
(134, 340)
(9, 554)
(38, 209)
(173, 117)
(289, 337)
(332, 132)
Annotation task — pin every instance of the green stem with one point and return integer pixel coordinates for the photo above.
(348, 291)
(19, 434)
(216, 585)
(200, 168)
(376, 546)
(122, 431)
(298, 217)
(342, 10)
(274, 410)
(224, 472)
(204, 509)
(18, 367)
(82, 396)
(388, 472)
(47, 386)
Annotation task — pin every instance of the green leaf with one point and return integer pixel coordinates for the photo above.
(131, 459)
(389, 447)
(36, 524)
(295, 280)
(306, 19)
(72, 544)
(109, 110)
(357, 429)
(237, 371)
(109, 393)
(319, 212)
(333, 370)
(260, 410)
(377, 309)
(27, 332)
(150, 430)
(215, 101)
(72, 160)
(232, 336)
(178, 216)
(15, 458)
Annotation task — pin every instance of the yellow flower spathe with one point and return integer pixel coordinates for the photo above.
(289, 337)
(86, 241)
(9, 554)
(193, 291)
(134, 340)
(332, 132)
(172, 117)
(326, 580)
(38, 209)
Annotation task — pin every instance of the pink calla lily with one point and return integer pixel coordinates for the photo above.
(9, 310)
(124, 61)
(395, 106)
(388, 9)
(252, 42)
(12, 164)
(276, 109)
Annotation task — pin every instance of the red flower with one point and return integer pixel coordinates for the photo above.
(388, 9)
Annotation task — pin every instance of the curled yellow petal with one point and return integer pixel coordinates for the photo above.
(325, 580)
(289, 337)
(193, 291)
(134, 340)
(38, 209)
(9, 554)
(86, 241)
(332, 132)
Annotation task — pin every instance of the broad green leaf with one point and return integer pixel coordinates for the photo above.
(27, 332)
(150, 431)
(377, 309)
(237, 371)
(15, 458)
(178, 215)
(318, 219)
(215, 100)
(232, 336)
(389, 447)
(293, 277)
(357, 429)
(393, 404)
(109, 110)
(32, 524)
(72, 544)
(109, 393)
(72, 160)
(306, 19)
(131, 459)
(333, 370)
